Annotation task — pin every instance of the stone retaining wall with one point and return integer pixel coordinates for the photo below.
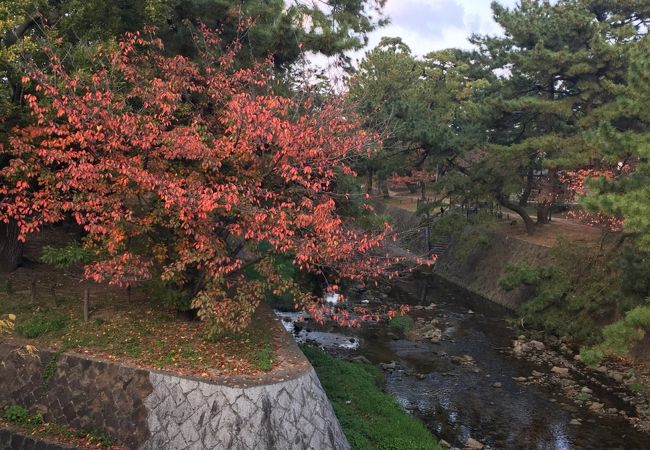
(146, 409)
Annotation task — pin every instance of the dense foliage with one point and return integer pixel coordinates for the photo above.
(189, 172)
(550, 113)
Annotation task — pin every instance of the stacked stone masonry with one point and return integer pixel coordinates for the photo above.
(156, 411)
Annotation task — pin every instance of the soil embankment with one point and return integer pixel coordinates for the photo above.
(480, 268)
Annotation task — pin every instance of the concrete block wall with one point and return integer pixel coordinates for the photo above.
(147, 409)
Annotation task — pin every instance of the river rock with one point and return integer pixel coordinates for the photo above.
(537, 345)
(497, 385)
(595, 406)
(575, 422)
(586, 390)
(520, 379)
(388, 366)
(560, 371)
(519, 347)
(616, 376)
(361, 359)
(537, 374)
(444, 443)
(473, 444)
(433, 335)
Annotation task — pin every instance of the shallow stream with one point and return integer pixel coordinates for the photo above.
(463, 386)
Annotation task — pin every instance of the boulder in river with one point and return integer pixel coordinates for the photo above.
(388, 366)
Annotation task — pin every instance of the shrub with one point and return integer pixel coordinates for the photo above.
(591, 356)
(61, 257)
(621, 336)
(18, 414)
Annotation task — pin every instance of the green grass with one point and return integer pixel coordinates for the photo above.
(20, 418)
(264, 358)
(403, 323)
(39, 325)
(639, 388)
(371, 419)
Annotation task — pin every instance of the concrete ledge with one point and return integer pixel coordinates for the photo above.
(146, 409)
(10, 440)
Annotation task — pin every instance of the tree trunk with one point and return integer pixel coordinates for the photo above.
(423, 190)
(543, 212)
(11, 249)
(528, 222)
(369, 182)
(384, 188)
(530, 177)
(412, 187)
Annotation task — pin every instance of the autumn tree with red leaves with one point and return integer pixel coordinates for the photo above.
(195, 173)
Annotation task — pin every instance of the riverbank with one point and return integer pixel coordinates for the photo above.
(370, 418)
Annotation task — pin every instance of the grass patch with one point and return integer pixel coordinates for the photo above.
(18, 418)
(639, 388)
(403, 323)
(371, 419)
(264, 359)
(40, 325)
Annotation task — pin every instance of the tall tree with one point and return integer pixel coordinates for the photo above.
(624, 141)
(192, 172)
(281, 30)
(422, 105)
(559, 62)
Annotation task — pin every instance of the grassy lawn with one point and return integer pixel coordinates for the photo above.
(146, 334)
(371, 419)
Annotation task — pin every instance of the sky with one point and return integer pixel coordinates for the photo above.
(427, 25)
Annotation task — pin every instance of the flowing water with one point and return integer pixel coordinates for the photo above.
(463, 385)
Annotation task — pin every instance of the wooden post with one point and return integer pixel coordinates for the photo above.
(86, 298)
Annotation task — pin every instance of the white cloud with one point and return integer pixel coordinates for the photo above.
(427, 25)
